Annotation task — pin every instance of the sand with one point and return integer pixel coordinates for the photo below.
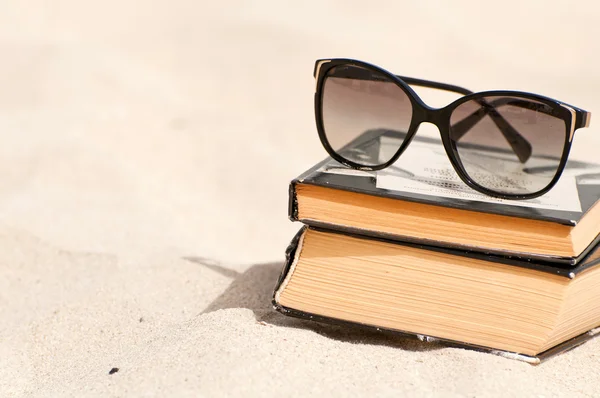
(146, 151)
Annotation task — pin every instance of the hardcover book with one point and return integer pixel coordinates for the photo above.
(527, 310)
(421, 199)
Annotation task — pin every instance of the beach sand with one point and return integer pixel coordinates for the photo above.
(146, 154)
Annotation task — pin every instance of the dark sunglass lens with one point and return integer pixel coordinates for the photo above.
(509, 145)
(365, 115)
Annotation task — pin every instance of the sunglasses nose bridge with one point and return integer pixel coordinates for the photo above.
(427, 114)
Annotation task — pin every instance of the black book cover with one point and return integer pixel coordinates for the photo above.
(592, 259)
(423, 174)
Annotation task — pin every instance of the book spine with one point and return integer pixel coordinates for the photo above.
(290, 255)
(292, 201)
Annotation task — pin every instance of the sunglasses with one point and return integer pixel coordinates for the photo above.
(507, 144)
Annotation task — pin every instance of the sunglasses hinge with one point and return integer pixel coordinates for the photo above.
(573, 118)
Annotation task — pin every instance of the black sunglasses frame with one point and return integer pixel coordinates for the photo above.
(573, 117)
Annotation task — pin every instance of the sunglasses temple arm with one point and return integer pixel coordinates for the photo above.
(440, 86)
(359, 74)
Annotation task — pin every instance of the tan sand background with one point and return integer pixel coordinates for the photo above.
(145, 153)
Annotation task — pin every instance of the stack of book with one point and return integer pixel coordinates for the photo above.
(412, 250)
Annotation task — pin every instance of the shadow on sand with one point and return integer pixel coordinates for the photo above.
(253, 289)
